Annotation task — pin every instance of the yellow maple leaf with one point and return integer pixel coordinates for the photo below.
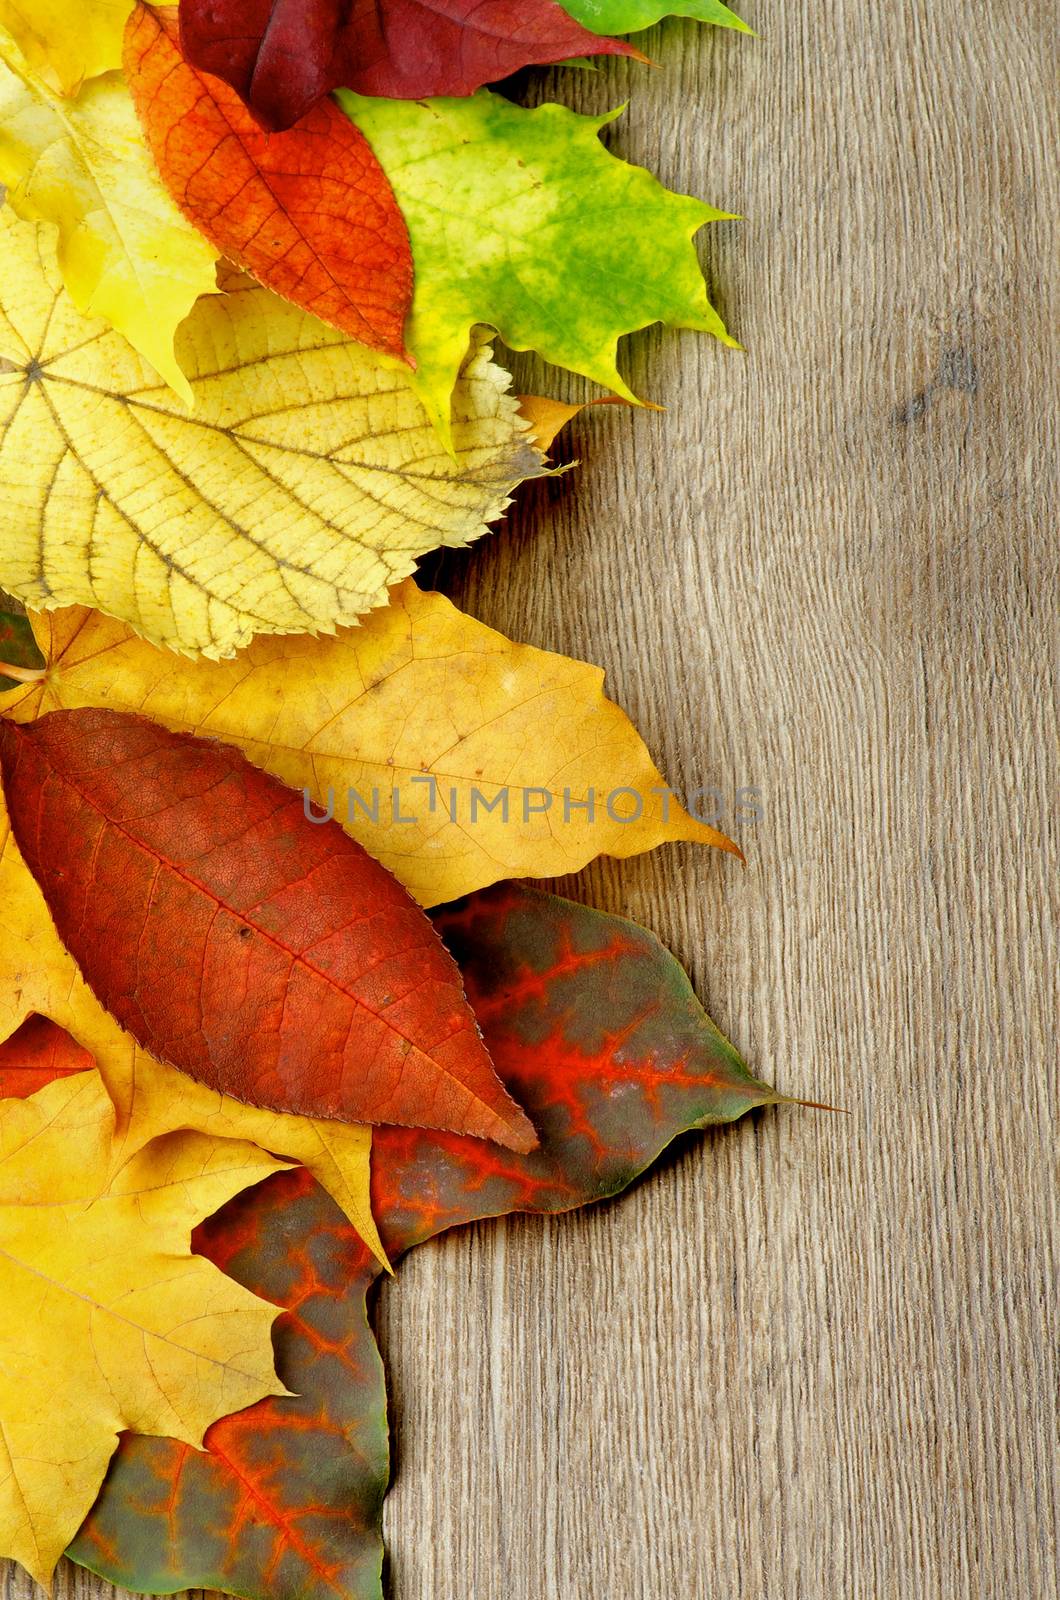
(38, 974)
(107, 1320)
(419, 692)
(68, 41)
(307, 481)
(125, 252)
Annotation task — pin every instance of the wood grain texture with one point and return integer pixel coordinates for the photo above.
(815, 1356)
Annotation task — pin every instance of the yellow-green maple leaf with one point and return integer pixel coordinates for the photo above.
(308, 479)
(108, 1322)
(523, 220)
(420, 698)
(126, 253)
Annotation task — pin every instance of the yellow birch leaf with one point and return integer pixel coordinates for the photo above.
(125, 252)
(306, 482)
(420, 699)
(67, 41)
(107, 1320)
(38, 974)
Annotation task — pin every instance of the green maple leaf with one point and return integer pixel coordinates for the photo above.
(628, 16)
(522, 220)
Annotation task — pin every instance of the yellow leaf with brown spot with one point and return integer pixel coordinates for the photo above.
(108, 1322)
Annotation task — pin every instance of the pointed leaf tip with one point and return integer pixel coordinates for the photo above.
(263, 954)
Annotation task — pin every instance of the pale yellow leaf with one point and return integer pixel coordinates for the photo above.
(307, 480)
(419, 692)
(107, 1320)
(125, 252)
(38, 974)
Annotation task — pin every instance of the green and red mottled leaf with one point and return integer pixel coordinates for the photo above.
(265, 955)
(283, 56)
(597, 1027)
(286, 1501)
(286, 1494)
(309, 213)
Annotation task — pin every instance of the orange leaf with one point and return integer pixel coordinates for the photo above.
(264, 954)
(37, 1053)
(309, 213)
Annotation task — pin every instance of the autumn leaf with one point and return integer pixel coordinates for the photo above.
(108, 1322)
(599, 1028)
(125, 253)
(283, 56)
(36, 1054)
(264, 955)
(67, 41)
(595, 1026)
(522, 220)
(308, 480)
(322, 712)
(507, 761)
(286, 1502)
(37, 974)
(629, 16)
(548, 417)
(308, 213)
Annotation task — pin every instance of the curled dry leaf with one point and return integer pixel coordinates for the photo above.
(265, 956)
(597, 1027)
(107, 1321)
(522, 220)
(468, 758)
(307, 481)
(283, 56)
(125, 252)
(308, 213)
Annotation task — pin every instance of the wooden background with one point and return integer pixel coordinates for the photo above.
(814, 1357)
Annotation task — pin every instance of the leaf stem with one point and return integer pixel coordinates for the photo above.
(22, 674)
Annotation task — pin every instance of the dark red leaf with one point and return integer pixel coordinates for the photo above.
(263, 954)
(309, 213)
(283, 56)
(597, 1026)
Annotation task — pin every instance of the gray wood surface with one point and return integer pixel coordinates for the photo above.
(815, 1356)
